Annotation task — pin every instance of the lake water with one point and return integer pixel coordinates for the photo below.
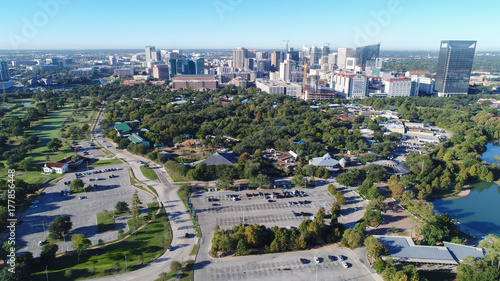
(480, 210)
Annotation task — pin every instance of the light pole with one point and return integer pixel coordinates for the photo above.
(64, 237)
(125, 262)
(316, 272)
(46, 273)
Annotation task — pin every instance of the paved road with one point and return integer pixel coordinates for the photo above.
(177, 213)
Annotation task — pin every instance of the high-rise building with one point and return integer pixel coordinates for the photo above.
(4, 71)
(342, 55)
(368, 52)
(161, 71)
(275, 58)
(239, 56)
(286, 70)
(325, 51)
(315, 54)
(454, 67)
(186, 66)
(149, 53)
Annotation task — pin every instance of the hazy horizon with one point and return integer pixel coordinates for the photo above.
(226, 24)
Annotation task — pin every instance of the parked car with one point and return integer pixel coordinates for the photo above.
(316, 259)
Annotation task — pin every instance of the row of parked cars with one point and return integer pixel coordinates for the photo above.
(331, 258)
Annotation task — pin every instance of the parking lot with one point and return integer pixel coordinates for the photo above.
(87, 149)
(265, 207)
(53, 203)
(291, 266)
(227, 209)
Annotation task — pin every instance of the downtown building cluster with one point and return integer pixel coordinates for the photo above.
(307, 73)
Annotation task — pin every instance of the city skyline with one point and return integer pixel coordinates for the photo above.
(223, 24)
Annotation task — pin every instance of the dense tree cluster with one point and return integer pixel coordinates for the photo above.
(242, 240)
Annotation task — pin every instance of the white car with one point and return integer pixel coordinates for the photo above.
(345, 264)
(316, 259)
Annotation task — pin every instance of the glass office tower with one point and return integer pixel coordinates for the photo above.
(454, 67)
(368, 52)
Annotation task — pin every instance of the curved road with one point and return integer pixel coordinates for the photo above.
(177, 214)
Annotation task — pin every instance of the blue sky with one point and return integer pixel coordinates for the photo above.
(202, 24)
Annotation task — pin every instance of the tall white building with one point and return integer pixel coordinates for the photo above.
(342, 55)
(149, 52)
(352, 86)
(286, 71)
(398, 87)
(351, 63)
(239, 56)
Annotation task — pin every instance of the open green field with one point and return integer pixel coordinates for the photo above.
(33, 179)
(47, 129)
(78, 118)
(106, 162)
(148, 173)
(105, 221)
(142, 248)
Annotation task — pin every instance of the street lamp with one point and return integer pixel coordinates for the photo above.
(125, 262)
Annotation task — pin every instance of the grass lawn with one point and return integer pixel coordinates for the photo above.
(64, 152)
(105, 222)
(78, 118)
(187, 274)
(47, 129)
(106, 162)
(131, 177)
(148, 173)
(167, 276)
(177, 179)
(33, 179)
(183, 196)
(195, 250)
(142, 248)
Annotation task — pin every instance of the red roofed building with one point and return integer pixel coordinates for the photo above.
(62, 166)
(195, 82)
(398, 87)
(410, 73)
(352, 86)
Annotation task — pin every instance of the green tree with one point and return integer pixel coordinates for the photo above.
(175, 266)
(60, 226)
(48, 253)
(298, 181)
(375, 248)
(54, 144)
(76, 185)
(80, 243)
(121, 207)
(242, 248)
(136, 205)
(352, 238)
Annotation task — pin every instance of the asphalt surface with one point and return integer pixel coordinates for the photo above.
(176, 211)
(250, 209)
(81, 211)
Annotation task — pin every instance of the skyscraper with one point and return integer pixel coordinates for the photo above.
(275, 59)
(239, 56)
(4, 71)
(454, 67)
(286, 70)
(186, 66)
(149, 52)
(368, 52)
(342, 55)
(315, 54)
